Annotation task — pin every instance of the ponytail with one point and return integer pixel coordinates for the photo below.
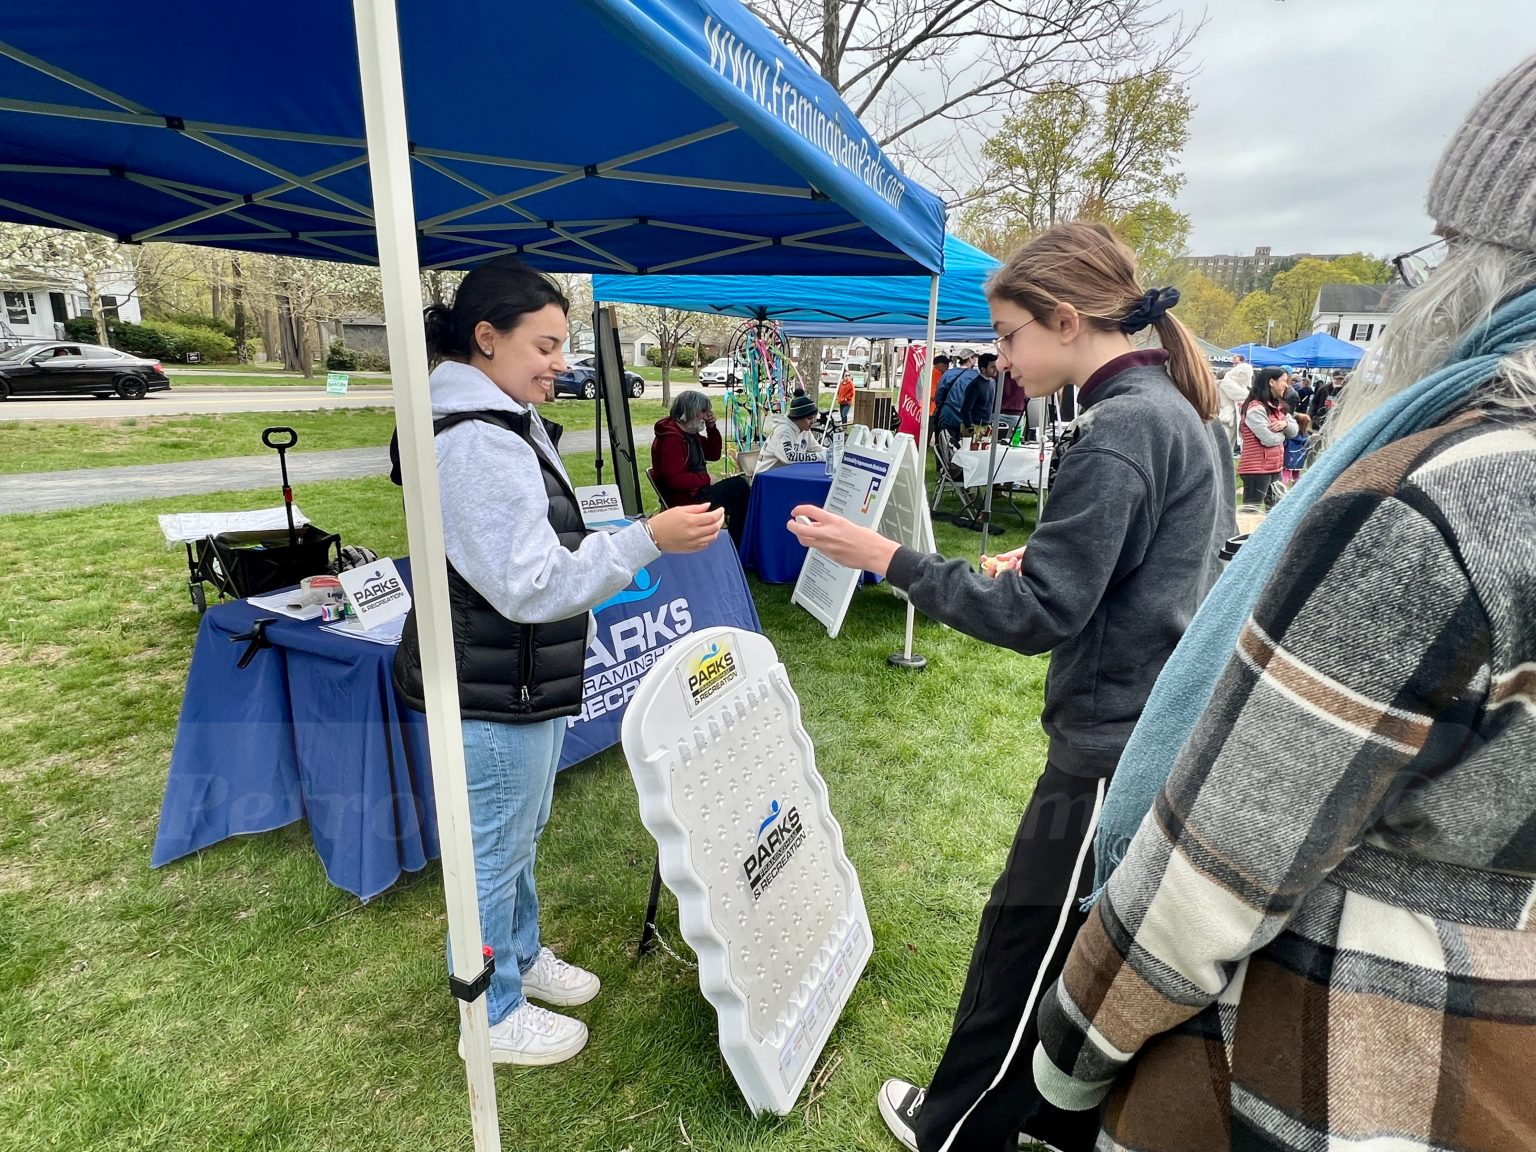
(1085, 264)
(1188, 368)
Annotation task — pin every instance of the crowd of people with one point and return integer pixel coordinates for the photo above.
(1199, 940)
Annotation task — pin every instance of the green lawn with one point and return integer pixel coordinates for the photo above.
(235, 1000)
(192, 378)
(53, 445)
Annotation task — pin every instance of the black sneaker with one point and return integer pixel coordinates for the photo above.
(900, 1103)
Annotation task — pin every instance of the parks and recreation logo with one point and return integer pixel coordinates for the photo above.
(625, 648)
(779, 837)
(707, 673)
(379, 589)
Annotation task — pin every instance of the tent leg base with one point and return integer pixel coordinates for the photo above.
(902, 660)
(976, 525)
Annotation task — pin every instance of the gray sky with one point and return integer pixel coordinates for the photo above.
(1318, 122)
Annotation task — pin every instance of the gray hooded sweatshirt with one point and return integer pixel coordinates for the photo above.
(496, 526)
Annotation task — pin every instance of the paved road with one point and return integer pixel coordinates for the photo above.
(84, 487)
(186, 401)
(190, 401)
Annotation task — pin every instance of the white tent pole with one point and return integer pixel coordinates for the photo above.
(905, 659)
(389, 167)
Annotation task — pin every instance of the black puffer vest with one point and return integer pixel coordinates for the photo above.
(509, 672)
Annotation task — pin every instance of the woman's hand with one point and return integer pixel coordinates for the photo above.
(1277, 424)
(842, 541)
(686, 528)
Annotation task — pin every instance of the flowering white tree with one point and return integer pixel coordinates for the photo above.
(28, 250)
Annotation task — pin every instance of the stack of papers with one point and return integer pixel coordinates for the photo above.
(387, 633)
(282, 603)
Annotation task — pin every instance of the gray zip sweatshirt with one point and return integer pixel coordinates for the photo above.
(1127, 548)
(496, 515)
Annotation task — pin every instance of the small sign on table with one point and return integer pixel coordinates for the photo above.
(376, 593)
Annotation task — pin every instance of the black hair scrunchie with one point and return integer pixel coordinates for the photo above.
(1149, 309)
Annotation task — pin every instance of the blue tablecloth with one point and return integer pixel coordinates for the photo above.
(312, 727)
(767, 546)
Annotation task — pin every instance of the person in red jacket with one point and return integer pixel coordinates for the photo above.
(686, 440)
(1265, 424)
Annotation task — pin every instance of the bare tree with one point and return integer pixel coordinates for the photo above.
(906, 67)
(672, 328)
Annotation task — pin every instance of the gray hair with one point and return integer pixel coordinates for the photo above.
(688, 406)
(1431, 321)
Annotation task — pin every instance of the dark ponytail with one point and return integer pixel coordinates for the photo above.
(500, 292)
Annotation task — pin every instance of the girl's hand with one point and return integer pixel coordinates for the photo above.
(1007, 562)
(841, 541)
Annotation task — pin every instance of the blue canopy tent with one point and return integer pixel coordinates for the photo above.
(874, 306)
(745, 160)
(1321, 350)
(952, 305)
(1259, 355)
(479, 137)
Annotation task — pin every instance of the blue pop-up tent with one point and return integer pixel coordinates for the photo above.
(1259, 355)
(874, 306)
(1320, 350)
(524, 135)
(440, 136)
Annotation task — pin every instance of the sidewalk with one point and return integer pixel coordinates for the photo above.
(84, 487)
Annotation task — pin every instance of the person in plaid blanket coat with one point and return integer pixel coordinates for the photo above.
(1336, 949)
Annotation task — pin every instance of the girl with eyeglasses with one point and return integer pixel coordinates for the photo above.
(1121, 558)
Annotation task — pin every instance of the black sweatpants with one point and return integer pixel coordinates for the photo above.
(732, 494)
(983, 1093)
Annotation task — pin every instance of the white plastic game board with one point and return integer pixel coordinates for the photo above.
(766, 895)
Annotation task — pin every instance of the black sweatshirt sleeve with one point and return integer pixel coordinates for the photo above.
(1096, 529)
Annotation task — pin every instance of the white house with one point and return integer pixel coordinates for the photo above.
(1355, 312)
(34, 305)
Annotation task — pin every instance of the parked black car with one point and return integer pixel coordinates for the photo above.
(63, 368)
(580, 380)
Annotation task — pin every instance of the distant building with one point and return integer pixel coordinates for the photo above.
(35, 305)
(361, 333)
(1241, 275)
(1355, 312)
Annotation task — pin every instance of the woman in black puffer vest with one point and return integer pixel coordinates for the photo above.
(523, 575)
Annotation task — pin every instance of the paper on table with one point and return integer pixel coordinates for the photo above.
(281, 602)
(387, 633)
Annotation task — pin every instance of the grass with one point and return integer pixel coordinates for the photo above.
(55, 445)
(235, 1000)
(192, 378)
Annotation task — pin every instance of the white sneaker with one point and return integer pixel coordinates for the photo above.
(532, 1035)
(900, 1103)
(555, 982)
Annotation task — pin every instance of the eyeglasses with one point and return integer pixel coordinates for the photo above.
(1003, 341)
(1413, 268)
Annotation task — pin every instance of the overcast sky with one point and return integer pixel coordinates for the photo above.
(1318, 122)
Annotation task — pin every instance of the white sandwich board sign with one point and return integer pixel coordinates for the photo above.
(879, 485)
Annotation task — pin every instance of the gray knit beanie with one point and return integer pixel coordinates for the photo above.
(1485, 185)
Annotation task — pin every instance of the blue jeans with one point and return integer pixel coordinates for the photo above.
(511, 774)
